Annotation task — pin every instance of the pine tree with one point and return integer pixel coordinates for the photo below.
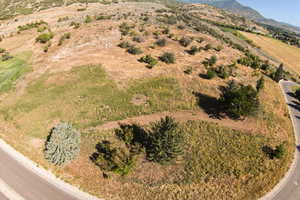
(165, 141)
(279, 74)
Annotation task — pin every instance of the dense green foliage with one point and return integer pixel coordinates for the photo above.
(62, 145)
(239, 100)
(165, 141)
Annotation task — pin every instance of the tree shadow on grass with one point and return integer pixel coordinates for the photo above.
(268, 151)
(210, 105)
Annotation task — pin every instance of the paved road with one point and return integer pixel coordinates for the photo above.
(27, 184)
(289, 187)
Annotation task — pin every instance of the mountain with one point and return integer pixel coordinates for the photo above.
(250, 13)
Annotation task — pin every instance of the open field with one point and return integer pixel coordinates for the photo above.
(289, 55)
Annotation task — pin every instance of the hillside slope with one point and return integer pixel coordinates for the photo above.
(136, 62)
(237, 8)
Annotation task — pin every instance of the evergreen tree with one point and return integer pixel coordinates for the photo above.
(62, 145)
(279, 74)
(165, 141)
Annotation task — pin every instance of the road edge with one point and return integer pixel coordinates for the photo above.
(46, 175)
(270, 195)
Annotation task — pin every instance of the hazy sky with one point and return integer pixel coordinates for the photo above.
(281, 10)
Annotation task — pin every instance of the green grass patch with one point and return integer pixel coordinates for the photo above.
(11, 70)
(86, 97)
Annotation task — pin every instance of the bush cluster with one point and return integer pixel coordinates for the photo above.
(163, 142)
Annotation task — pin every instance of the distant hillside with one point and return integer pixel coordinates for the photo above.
(237, 8)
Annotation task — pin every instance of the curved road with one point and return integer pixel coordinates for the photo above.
(21, 179)
(289, 187)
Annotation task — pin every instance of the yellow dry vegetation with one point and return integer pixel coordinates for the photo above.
(285, 53)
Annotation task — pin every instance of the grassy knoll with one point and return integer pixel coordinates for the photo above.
(285, 53)
(218, 163)
(13, 69)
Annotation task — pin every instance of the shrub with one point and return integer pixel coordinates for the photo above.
(193, 50)
(223, 71)
(210, 62)
(47, 46)
(63, 38)
(62, 145)
(219, 48)
(260, 84)
(44, 38)
(189, 70)
(149, 60)
(185, 41)
(210, 74)
(6, 56)
(168, 58)
(116, 160)
(161, 42)
(138, 39)
(41, 29)
(207, 47)
(2, 50)
(125, 28)
(279, 151)
(239, 100)
(76, 25)
(134, 137)
(88, 19)
(134, 50)
(125, 45)
(165, 141)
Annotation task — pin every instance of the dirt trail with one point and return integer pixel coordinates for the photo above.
(183, 116)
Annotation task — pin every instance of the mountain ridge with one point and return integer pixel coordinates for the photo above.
(248, 12)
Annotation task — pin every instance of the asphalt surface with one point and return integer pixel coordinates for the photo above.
(289, 187)
(27, 184)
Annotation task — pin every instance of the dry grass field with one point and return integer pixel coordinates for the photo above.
(287, 54)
